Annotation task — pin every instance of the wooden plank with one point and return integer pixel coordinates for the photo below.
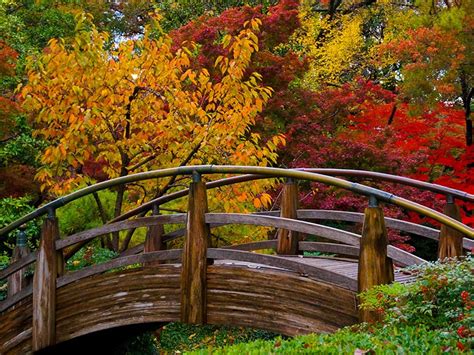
(264, 244)
(287, 239)
(125, 297)
(16, 298)
(154, 239)
(289, 264)
(329, 248)
(194, 258)
(117, 263)
(118, 226)
(282, 302)
(18, 265)
(402, 257)
(17, 281)
(450, 240)
(279, 222)
(375, 268)
(44, 287)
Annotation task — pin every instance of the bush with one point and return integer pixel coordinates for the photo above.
(12, 209)
(441, 299)
(397, 340)
(4, 262)
(89, 256)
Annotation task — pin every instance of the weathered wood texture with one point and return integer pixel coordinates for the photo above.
(329, 248)
(103, 301)
(278, 301)
(286, 223)
(275, 300)
(15, 328)
(288, 239)
(194, 259)
(264, 244)
(295, 264)
(119, 226)
(356, 217)
(375, 268)
(110, 300)
(271, 296)
(44, 287)
(450, 241)
(154, 240)
(17, 281)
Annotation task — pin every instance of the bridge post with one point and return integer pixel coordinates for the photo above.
(153, 239)
(17, 281)
(450, 240)
(287, 241)
(375, 268)
(44, 286)
(194, 257)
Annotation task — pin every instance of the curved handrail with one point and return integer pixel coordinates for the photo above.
(462, 195)
(266, 171)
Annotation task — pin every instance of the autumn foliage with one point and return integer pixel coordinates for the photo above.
(379, 86)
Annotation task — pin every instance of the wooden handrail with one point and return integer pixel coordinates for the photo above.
(262, 172)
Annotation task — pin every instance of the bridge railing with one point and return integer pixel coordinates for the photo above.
(374, 254)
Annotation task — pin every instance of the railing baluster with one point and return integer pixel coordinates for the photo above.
(288, 240)
(450, 240)
(44, 286)
(375, 268)
(194, 259)
(17, 281)
(153, 240)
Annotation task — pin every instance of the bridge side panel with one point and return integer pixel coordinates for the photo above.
(15, 328)
(278, 301)
(134, 296)
(270, 299)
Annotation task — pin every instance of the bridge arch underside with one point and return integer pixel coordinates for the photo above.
(271, 299)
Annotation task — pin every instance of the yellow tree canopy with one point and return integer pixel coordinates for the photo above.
(142, 105)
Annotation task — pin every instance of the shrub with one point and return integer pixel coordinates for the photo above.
(441, 299)
(12, 209)
(433, 315)
(396, 340)
(89, 256)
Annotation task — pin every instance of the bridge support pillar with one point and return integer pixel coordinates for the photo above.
(375, 268)
(194, 258)
(287, 241)
(450, 240)
(17, 281)
(44, 287)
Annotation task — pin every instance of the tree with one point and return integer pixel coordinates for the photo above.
(141, 106)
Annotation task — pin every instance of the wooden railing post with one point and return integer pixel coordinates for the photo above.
(450, 240)
(287, 241)
(44, 286)
(17, 281)
(194, 258)
(375, 268)
(153, 239)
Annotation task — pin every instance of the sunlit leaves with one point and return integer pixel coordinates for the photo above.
(141, 106)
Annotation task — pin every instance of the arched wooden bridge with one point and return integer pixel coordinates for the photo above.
(285, 293)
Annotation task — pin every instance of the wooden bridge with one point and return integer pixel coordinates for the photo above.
(285, 293)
